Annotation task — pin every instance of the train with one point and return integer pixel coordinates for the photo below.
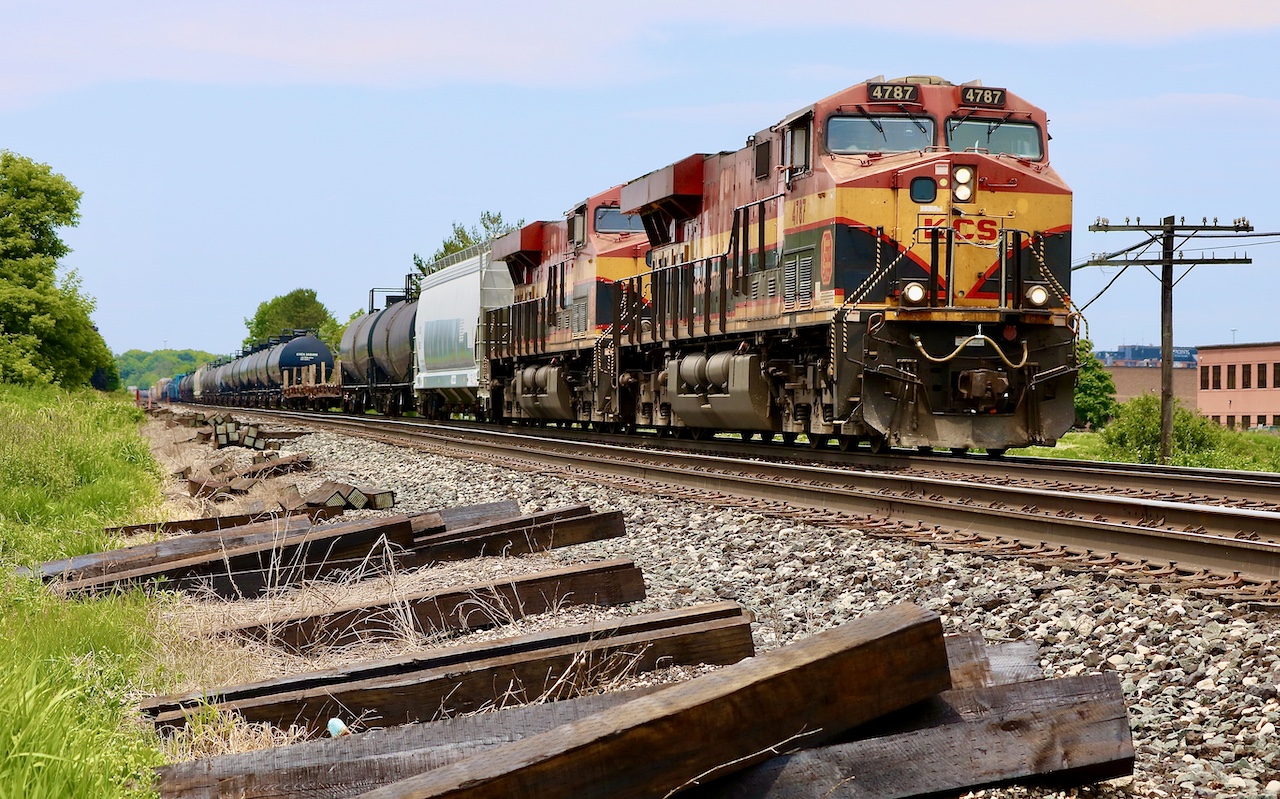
(888, 265)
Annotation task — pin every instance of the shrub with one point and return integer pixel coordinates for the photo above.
(1095, 396)
(1134, 435)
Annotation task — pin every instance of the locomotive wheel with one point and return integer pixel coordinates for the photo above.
(817, 440)
(789, 438)
(747, 435)
(879, 444)
(847, 443)
(995, 452)
(699, 433)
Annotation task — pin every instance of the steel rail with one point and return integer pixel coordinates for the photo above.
(1045, 516)
(1219, 485)
(1261, 488)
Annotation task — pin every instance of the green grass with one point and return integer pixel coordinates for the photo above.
(70, 670)
(1072, 446)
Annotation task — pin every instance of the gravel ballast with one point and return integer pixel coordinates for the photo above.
(1201, 679)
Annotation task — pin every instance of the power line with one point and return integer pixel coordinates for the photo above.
(1167, 233)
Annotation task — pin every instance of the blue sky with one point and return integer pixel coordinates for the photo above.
(232, 151)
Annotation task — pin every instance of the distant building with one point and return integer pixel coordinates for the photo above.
(1134, 381)
(1135, 368)
(1147, 356)
(1240, 384)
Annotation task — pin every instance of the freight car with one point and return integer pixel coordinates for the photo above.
(420, 351)
(273, 374)
(889, 264)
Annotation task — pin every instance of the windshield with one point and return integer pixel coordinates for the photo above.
(611, 220)
(996, 136)
(877, 134)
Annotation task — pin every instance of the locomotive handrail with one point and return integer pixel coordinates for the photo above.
(915, 339)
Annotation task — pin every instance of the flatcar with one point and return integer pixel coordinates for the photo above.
(889, 264)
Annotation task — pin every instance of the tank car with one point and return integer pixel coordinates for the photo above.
(376, 352)
(263, 375)
(889, 264)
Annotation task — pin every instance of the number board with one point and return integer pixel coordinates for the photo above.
(981, 95)
(893, 92)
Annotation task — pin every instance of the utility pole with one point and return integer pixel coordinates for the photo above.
(1166, 233)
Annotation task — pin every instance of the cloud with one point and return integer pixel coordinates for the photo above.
(59, 45)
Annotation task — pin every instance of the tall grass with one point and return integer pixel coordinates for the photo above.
(70, 463)
(70, 670)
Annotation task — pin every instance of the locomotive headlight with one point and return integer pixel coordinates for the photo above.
(913, 293)
(963, 191)
(1037, 296)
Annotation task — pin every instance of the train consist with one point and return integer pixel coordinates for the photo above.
(890, 264)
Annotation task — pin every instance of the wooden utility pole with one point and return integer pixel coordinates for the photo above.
(1166, 232)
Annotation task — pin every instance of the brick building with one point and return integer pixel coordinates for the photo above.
(1240, 384)
(1134, 381)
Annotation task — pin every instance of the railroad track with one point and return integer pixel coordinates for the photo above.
(1231, 546)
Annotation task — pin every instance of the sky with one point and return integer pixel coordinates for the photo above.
(230, 151)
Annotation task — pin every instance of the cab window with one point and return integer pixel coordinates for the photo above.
(1021, 139)
(796, 146)
(878, 134)
(611, 220)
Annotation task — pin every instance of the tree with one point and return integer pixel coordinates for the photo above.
(139, 368)
(1095, 390)
(46, 335)
(297, 310)
(491, 227)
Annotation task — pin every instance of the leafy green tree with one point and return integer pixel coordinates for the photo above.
(1095, 390)
(140, 368)
(46, 335)
(297, 310)
(491, 226)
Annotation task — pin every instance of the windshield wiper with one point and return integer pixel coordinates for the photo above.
(875, 122)
(991, 126)
(952, 124)
(904, 110)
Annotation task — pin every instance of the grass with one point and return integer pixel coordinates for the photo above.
(1072, 446)
(70, 463)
